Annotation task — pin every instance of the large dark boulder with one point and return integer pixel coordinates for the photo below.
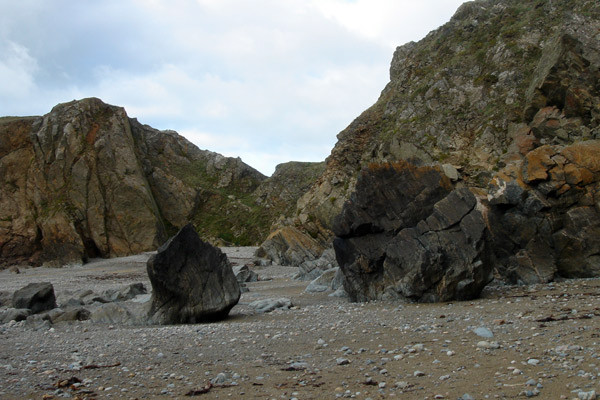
(406, 234)
(36, 297)
(192, 281)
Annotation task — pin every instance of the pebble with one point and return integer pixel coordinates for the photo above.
(342, 361)
(401, 385)
(483, 332)
(533, 361)
(418, 373)
(484, 344)
(591, 395)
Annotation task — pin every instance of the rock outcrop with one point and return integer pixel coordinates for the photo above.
(544, 215)
(192, 281)
(87, 181)
(289, 246)
(212, 191)
(73, 188)
(407, 234)
(469, 96)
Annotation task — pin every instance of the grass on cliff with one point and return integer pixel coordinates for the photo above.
(227, 213)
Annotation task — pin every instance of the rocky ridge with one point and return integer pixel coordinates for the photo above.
(85, 181)
(460, 95)
(476, 97)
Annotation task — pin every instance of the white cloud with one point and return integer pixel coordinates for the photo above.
(17, 68)
(269, 80)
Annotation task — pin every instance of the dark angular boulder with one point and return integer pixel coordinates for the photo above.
(37, 297)
(192, 281)
(406, 234)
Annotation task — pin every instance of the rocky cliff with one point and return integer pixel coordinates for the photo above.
(468, 97)
(85, 181)
(461, 96)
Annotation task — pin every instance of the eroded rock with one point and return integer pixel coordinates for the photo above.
(289, 246)
(192, 281)
(406, 234)
(544, 215)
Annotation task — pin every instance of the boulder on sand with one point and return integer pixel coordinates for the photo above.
(192, 281)
(37, 297)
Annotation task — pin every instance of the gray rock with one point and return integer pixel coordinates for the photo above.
(71, 302)
(298, 366)
(244, 274)
(113, 313)
(268, 305)
(192, 281)
(72, 314)
(483, 332)
(38, 322)
(313, 269)
(338, 280)
(324, 282)
(340, 292)
(262, 262)
(591, 395)
(14, 314)
(125, 293)
(37, 297)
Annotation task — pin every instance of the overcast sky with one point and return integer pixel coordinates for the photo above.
(269, 81)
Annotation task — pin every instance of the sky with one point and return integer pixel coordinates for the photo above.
(269, 81)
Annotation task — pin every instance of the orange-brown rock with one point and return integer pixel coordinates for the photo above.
(289, 246)
(548, 224)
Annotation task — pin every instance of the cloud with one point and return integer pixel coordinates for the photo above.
(16, 70)
(270, 80)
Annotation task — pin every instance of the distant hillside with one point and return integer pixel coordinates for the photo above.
(87, 181)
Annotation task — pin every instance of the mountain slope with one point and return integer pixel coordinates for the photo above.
(465, 95)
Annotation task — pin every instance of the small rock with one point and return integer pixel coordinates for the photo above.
(591, 395)
(268, 305)
(297, 366)
(483, 332)
(488, 345)
(219, 379)
(533, 361)
(418, 373)
(342, 361)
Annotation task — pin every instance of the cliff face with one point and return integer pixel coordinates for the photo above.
(467, 95)
(73, 187)
(87, 181)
